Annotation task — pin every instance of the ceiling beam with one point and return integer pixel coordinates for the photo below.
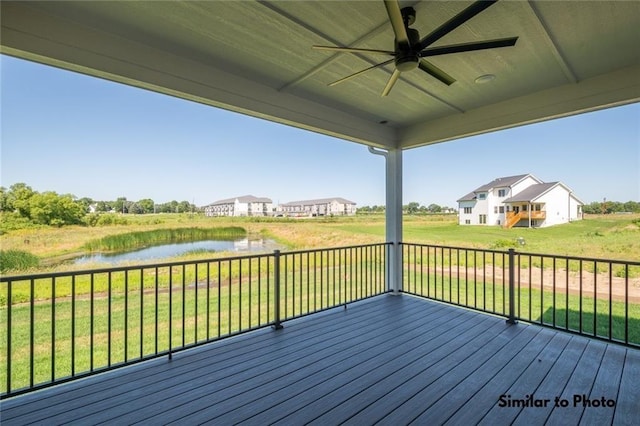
(616, 88)
(549, 41)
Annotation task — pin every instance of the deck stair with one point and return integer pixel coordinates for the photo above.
(513, 218)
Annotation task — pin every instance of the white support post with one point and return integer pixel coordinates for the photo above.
(393, 215)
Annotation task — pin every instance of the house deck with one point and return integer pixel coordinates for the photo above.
(390, 359)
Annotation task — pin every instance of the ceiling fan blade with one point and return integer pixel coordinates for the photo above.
(455, 22)
(395, 16)
(436, 72)
(392, 80)
(349, 77)
(468, 47)
(353, 50)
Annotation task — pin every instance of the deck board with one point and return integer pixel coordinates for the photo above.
(390, 359)
(527, 384)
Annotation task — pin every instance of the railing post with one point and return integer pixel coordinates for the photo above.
(512, 295)
(277, 325)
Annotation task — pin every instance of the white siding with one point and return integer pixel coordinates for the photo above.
(523, 184)
(464, 217)
(560, 206)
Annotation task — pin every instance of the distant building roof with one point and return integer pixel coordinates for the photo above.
(532, 192)
(242, 199)
(318, 201)
(469, 197)
(502, 182)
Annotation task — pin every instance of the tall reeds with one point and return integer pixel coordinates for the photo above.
(131, 240)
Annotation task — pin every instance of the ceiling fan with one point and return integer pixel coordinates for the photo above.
(410, 50)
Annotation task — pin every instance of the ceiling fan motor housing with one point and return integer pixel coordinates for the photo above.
(408, 55)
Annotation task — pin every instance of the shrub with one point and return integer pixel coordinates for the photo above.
(17, 260)
(13, 221)
(106, 219)
(504, 244)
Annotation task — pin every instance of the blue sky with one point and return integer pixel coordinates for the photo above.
(70, 133)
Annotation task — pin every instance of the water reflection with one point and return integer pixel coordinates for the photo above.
(176, 249)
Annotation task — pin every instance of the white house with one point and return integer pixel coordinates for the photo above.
(522, 200)
(247, 205)
(321, 207)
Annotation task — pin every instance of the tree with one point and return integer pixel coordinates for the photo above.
(146, 205)
(18, 198)
(120, 205)
(103, 206)
(184, 207)
(412, 207)
(632, 206)
(85, 202)
(4, 201)
(434, 208)
(49, 208)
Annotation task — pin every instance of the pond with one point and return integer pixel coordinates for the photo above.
(164, 251)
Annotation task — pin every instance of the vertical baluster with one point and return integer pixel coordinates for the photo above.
(32, 330)
(208, 299)
(595, 298)
(53, 329)
(276, 291)
(126, 316)
(512, 316)
(73, 325)
(91, 322)
(141, 312)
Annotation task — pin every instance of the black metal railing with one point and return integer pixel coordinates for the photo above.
(595, 297)
(61, 326)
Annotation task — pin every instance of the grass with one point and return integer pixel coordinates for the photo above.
(194, 316)
(17, 260)
(587, 315)
(602, 236)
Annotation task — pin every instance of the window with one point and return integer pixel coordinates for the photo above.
(482, 196)
(524, 207)
(482, 219)
(501, 209)
(467, 210)
(502, 192)
(467, 222)
(495, 209)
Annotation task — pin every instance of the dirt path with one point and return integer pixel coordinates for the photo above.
(571, 282)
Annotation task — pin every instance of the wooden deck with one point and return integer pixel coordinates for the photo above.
(392, 359)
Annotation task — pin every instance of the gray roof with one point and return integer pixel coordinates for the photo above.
(532, 192)
(501, 182)
(318, 201)
(469, 197)
(242, 199)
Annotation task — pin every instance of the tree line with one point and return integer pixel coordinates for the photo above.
(51, 208)
(596, 207)
(410, 208)
(608, 207)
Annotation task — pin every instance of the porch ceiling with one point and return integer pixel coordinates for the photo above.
(256, 58)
